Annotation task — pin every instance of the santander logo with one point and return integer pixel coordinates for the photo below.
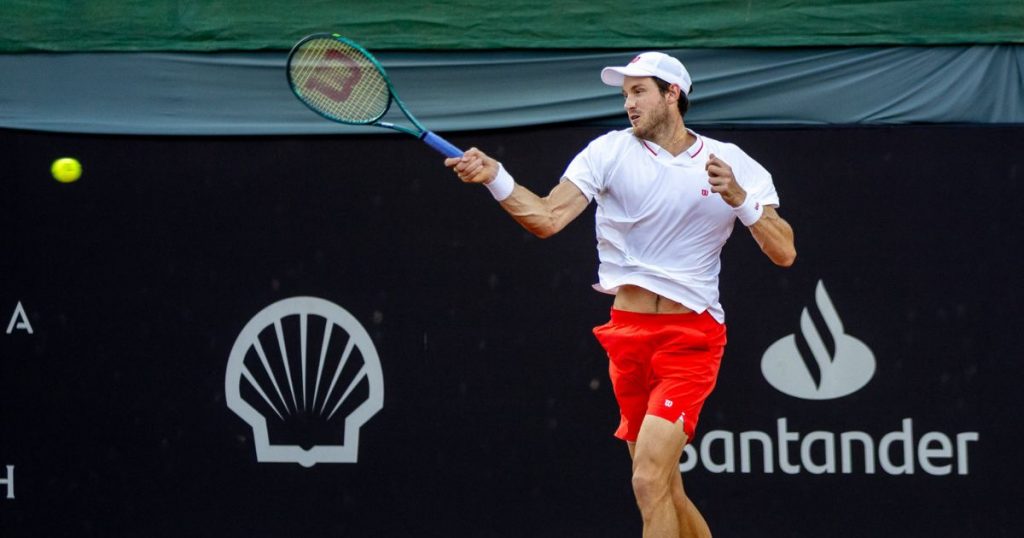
(826, 374)
(822, 362)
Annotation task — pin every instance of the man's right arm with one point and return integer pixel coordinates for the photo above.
(541, 216)
(545, 216)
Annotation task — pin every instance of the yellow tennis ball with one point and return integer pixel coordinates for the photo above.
(66, 170)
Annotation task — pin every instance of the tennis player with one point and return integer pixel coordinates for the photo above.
(667, 200)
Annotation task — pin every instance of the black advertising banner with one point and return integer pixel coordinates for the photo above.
(333, 336)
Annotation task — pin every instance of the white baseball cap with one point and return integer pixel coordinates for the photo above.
(650, 64)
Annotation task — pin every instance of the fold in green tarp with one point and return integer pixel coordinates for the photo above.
(247, 93)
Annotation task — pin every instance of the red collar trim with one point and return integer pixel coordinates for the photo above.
(694, 154)
(691, 155)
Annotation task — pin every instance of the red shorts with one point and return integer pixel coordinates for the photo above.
(661, 364)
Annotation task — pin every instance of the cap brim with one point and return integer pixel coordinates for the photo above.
(613, 76)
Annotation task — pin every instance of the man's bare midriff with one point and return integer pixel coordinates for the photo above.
(636, 299)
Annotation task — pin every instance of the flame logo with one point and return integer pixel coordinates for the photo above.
(830, 365)
(305, 375)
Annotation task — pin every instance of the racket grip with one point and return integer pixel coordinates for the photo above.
(445, 147)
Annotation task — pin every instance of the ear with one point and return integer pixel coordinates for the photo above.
(673, 93)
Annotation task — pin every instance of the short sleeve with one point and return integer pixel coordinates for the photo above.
(587, 169)
(754, 179)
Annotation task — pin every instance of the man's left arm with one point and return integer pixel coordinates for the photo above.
(775, 237)
(773, 234)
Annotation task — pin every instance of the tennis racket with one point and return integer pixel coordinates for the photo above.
(343, 82)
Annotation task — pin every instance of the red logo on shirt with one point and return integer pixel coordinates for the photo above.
(703, 192)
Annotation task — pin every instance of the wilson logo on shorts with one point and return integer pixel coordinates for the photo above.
(305, 376)
(819, 371)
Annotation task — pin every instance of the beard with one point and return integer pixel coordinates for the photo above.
(653, 122)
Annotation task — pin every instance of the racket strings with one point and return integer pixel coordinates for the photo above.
(339, 81)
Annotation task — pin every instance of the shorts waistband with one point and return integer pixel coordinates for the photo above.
(643, 318)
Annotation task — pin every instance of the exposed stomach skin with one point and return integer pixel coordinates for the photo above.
(636, 299)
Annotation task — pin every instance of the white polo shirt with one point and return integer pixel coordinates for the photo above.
(658, 224)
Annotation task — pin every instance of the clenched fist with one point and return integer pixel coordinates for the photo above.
(723, 181)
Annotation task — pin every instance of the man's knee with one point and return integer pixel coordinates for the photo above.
(650, 486)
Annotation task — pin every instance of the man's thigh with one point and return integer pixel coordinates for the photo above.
(659, 445)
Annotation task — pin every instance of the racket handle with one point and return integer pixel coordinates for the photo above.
(445, 147)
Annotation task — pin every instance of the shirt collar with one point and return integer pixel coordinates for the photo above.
(692, 152)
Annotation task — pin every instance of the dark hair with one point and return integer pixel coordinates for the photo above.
(684, 101)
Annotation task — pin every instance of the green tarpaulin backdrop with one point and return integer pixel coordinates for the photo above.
(194, 25)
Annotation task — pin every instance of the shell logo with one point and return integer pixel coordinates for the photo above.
(828, 373)
(305, 375)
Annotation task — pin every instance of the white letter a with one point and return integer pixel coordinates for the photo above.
(19, 320)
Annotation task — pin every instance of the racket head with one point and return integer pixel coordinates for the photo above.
(338, 79)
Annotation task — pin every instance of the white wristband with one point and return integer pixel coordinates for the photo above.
(749, 211)
(502, 185)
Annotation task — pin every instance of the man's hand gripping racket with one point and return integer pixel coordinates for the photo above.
(343, 82)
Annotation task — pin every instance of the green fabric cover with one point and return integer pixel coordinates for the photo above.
(194, 25)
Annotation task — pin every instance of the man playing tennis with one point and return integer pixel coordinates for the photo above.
(667, 199)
